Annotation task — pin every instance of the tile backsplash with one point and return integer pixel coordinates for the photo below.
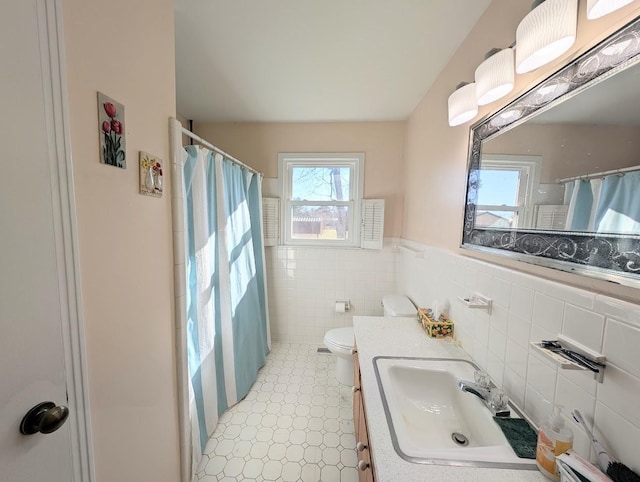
(527, 308)
(304, 284)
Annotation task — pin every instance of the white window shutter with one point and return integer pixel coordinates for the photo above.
(551, 216)
(270, 220)
(372, 223)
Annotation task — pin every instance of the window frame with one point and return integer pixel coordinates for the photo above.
(355, 161)
(529, 166)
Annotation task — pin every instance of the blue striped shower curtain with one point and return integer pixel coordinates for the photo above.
(604, 205)
(227, 326)
(618, 210)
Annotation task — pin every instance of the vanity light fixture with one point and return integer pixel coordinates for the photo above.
(600, 8)
(462, 104)
(548, 31)
(495, 76)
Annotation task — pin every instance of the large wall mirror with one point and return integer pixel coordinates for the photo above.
(554, 177)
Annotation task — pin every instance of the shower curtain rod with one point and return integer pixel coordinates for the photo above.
(599, 174)
(196, 137)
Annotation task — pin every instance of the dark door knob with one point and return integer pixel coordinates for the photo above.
(46, 417)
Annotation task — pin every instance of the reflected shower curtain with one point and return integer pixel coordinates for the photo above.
(580, 206)
(227, 331)
(604, 205)
(618, 210)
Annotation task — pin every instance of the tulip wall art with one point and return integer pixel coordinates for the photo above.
(111, 125)
(150, 175)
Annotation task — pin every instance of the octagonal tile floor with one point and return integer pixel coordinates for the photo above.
(295, 424)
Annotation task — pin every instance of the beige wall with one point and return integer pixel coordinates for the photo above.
(571, 150)
(436, 154)
(258, 145)
(125, 50)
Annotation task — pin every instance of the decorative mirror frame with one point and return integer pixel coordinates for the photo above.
(610, 257)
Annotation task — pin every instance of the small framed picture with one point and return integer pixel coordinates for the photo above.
(151, 181)
(111, 132)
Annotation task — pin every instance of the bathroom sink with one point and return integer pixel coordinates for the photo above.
(432, 421)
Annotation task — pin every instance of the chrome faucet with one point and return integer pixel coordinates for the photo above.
(493, 397)
(480, 392)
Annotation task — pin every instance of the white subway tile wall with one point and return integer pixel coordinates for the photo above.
(584, 326)
(622, 346)
(304, 284)
(527, 308)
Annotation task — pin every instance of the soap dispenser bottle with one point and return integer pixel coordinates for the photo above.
(553, 439)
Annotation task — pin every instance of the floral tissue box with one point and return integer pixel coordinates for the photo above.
(440, 328)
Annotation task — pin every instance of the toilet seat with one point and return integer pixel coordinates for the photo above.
(339, 339)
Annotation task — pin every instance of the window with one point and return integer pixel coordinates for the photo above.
(506, 185)
(321, 198)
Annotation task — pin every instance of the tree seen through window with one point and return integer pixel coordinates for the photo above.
(314, 189)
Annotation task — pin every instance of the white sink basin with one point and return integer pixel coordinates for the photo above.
(426, 411)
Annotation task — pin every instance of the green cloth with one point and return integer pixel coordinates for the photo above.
(522, 438)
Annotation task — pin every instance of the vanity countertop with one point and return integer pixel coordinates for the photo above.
(381, 336)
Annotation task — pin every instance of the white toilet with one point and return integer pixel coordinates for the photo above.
(340, 340)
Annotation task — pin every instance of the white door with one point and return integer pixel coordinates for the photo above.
(34, 299)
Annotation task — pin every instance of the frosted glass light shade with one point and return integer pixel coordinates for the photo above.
(462, 105)
(545, 34)
(599, 8)
(495, 77)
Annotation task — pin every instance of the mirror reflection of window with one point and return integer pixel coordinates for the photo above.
(498, 198)
(506, 186)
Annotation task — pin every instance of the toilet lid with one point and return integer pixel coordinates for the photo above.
(341, 337)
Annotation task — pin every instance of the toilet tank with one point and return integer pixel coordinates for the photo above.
(398, 305)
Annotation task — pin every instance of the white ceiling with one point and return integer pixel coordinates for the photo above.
(313, 60)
